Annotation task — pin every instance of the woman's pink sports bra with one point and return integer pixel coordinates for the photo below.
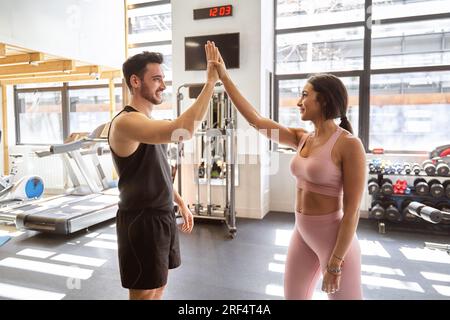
(318, 173)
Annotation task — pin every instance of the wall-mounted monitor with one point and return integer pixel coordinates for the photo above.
(194, 50)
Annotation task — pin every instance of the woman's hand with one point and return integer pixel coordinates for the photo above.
(220, 66)
(331, 282)
(332, 276)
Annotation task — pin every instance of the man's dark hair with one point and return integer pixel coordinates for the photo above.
(137, 64)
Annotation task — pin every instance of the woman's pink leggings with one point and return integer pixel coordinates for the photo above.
(311, 246)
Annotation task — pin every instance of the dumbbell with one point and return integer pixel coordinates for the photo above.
(392, 213)
(373, 186)
(429, 167)
(421, 186)
(445, 209)
(414, 208)
(400, 186)
(408, 216)
(405, 212)
(442, 168)
(436, 188)
(390, 167)
(446, 186)
(377, 211)
(386, 187)
(398, 167)
(407, 168)
(427, 213)
(416, 168)
(431, 214)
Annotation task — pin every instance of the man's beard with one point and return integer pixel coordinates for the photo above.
(145, 93)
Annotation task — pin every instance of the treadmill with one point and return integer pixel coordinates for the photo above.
(84, 205)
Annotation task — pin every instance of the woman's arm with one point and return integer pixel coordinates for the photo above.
(354, 177)
(271, 129)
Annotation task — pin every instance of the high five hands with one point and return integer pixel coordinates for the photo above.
(216, 65)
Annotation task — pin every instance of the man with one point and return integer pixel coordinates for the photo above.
(146, 228)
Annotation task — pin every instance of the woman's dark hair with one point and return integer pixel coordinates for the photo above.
(333, 97)
(137, 64)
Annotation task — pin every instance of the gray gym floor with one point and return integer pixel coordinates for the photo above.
(395, 265)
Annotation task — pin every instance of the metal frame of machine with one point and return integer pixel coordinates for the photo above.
(81, 207)
(214, 143)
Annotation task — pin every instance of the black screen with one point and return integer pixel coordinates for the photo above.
(194, 50)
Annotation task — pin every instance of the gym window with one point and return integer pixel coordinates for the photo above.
(39, 117)
(48, 114)
(399, 51)
(153, 20)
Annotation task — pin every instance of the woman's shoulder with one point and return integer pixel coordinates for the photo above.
(349, 142)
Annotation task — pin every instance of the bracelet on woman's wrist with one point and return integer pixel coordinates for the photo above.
(334, 270)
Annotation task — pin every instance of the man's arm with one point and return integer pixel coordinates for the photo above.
(136, 126)
(188, 223)
(177, 198)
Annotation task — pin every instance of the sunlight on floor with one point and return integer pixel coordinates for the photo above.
(282, 237)
(102, 244)
(87, 261)
(276, 267)
(22, 293)
(279, 257)
(274, 290)
(106, 236)
(49, 268)
(379, 282)
(381, 270)
(34, 253)
(278, 291)
(443, 290)
(373, 248)
(436, 276)
(92, 235)
(425, 254)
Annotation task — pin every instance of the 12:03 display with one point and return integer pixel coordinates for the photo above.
(213, 12)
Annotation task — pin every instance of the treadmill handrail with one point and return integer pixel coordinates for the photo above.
(67, 147)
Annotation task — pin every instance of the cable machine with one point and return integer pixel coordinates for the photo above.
(214, 158)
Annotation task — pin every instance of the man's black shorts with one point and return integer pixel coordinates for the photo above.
(148, 247)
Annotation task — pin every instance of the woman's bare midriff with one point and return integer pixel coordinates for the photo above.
(311, 203)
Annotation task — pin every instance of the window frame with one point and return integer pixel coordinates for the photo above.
(364, 74)
(65, 105)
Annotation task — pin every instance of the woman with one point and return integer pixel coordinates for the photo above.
(329, 167)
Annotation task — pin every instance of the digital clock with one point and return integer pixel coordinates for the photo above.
(213, 12)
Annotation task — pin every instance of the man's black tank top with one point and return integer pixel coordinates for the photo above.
(145, 180)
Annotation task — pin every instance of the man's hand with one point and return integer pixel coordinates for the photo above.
(212, 56)
(188, 218)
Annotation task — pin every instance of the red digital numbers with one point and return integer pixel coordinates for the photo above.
(213, 12)
(220, 11)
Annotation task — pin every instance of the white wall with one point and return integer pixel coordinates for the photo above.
(86, 30)
(255, 58)
(91, 31)
(268, 168)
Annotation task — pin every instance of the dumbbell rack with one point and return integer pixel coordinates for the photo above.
(403, 224)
